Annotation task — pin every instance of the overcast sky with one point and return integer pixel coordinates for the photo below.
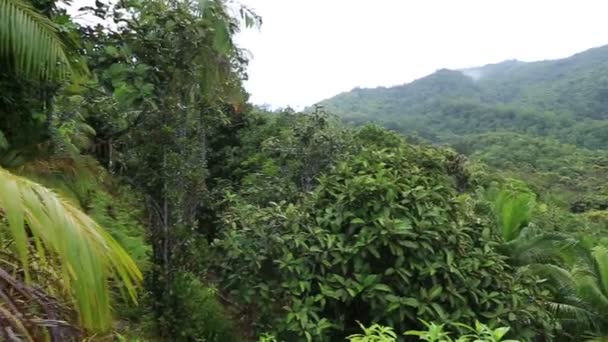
(309, 50)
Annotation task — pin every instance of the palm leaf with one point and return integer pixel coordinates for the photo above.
(560, 277)
(572, 310)
(88, 255)
(578, 316)
(591, 274)
(582, 298)
(513, 209)
(534, 246)
(600, 254)
(30, 42)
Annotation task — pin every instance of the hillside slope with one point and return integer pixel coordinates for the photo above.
(566, 99)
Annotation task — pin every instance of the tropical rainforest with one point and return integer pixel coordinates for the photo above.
(144, 198)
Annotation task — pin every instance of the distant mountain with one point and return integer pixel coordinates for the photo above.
(566, 99)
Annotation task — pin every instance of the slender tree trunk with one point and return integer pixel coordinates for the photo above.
(110, 141)
(48, 110)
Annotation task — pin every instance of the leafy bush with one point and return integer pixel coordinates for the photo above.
(384, 238)
(282, 156)
(479, 333)
(375, 333)
(195, 314)
(433, 333)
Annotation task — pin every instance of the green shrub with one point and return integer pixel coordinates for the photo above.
(386, 237)
(120, 211)
(375, 333)
(434, 333)
(195, 314)
(478, 333)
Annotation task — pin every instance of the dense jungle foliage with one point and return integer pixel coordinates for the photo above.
(142, 198)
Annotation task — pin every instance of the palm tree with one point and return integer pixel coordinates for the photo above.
(29, 41)
(512, 205)
(582, 290)
(44, 229)
(579, 293)
(50, 250)
(524, 243)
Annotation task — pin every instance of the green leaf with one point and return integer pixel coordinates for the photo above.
(499, 333)
(435, 292)
(382, 287)
(413, 302)
(111, 50)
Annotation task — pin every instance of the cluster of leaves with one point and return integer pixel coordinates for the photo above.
(197, 314)
(434, 333)
(281, 155)
(570, 262)
(60, 267)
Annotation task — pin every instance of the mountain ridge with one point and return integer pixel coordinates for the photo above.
(564, 98)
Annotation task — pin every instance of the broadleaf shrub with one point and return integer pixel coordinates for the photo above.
(196, 313)
(385, 237)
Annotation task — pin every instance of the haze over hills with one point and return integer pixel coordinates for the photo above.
(565, 98)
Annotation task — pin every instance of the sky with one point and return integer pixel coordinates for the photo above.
(309, 50)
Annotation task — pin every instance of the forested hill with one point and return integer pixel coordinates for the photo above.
(566, 99)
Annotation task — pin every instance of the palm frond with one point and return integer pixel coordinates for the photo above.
(561, 279)
(512, 204)
(589, 290)
(571, 314)
(533, 246)
(591, 275)
(574, 311)
(88, 255)
(30, 42)
(600, 254)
